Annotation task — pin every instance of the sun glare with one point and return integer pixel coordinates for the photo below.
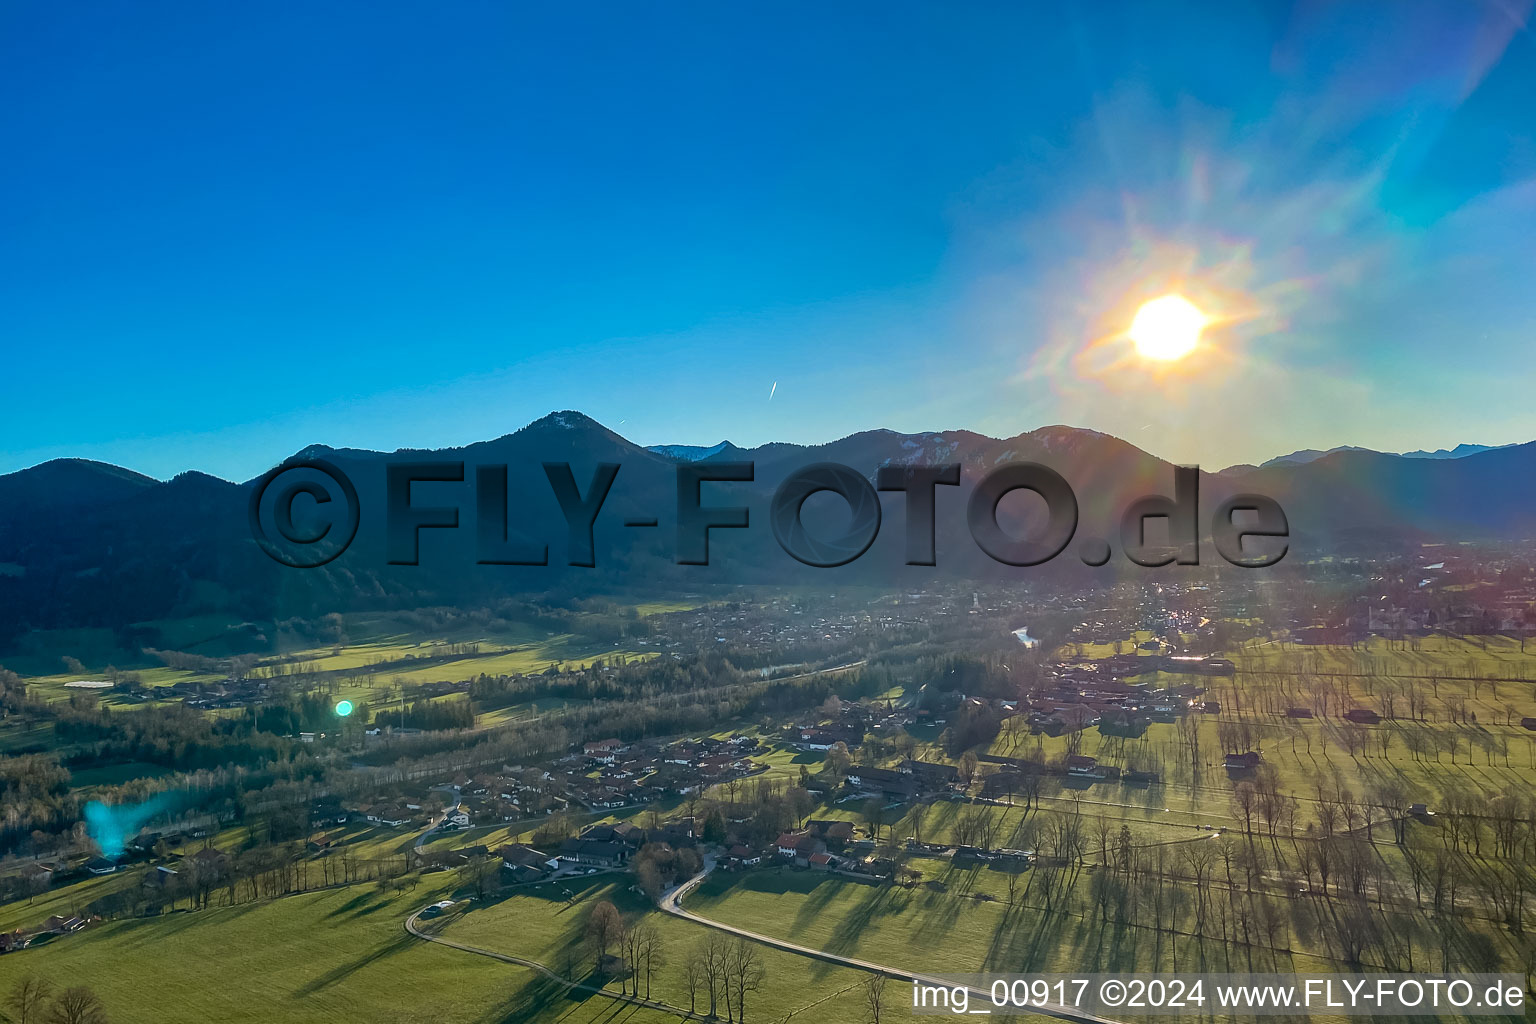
(1167, 328)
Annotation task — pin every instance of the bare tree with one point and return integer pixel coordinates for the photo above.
(649, 955)
(605, 929)
(712, 958)
(77, 1005)
(745, 973)
(874, 815)
(649, 878)
(27, 998)
(916, 816)
(967, 769)
(695, 977)
(874, 998)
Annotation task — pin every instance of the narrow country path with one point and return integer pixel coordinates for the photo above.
(671, 903)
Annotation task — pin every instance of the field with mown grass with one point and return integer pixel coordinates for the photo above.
(545, 923)
(341, 955)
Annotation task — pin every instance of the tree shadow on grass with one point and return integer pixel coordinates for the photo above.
(819, 897)
(398, 944)
(138, 930)
(546, 1000)
(352, 904)
(877, 901)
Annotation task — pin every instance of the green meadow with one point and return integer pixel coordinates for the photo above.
(338, 955)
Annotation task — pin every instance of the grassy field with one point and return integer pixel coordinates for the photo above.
(1465, 738)
(375, 644)
(116, 774)
(337, 955)
(541, 923)
(944, 928)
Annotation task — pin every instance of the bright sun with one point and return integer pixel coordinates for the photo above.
(1167, 328)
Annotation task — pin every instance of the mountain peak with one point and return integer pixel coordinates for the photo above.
(565, 419)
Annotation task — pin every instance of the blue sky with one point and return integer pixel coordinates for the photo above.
(229, 232)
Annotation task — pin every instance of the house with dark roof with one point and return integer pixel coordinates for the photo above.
(890, 784)
(745, 856)
(210, 859)
(526, 864)
(594, 852)
(930, 773)
(63, 925)
(625, 832)
(1084, 766)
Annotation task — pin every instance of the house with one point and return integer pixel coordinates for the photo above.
(676, 834)
(1242, 762)
(1528, 723)
(807, 847)
(63, 925)
(10, 941)
(745, 856)
(100, 866)
(459, 818)
(1298, 712)
(1138, 777)
(786, 844)
(210, 860)
(890, 784)
(624, 832)
(1084, 766)
(594, 852)
(836, 834)
(161, 877)
(388, 816)
(526, 864)
(604, 751)
(520, 854)
(822, 861)
(930, 774)
(817, 738)
(1362, 716)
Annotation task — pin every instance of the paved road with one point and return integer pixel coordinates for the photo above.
(436, 824)
(671, 902)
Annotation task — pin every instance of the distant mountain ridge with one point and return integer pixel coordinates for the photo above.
(86, 543)
(1306, 455)
(689, 452)
(1461, 451)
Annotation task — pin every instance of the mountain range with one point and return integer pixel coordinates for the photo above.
(1312, 454)
(85, 543)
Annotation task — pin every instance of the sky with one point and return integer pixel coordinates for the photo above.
(228, 232)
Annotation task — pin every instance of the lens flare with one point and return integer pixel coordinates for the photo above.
(1167, 328)
(343, 708)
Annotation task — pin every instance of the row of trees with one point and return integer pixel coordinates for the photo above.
(33, 1000)
(718, 973)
